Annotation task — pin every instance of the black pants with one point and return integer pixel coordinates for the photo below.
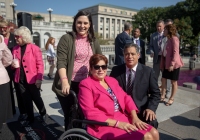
(20, 102)
(29, 93)
(67, 102)
(153, 123)
(11, 76)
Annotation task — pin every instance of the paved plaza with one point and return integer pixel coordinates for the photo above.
(178, 121)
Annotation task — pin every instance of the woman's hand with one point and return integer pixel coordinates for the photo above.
(139, 124)
(171, 68)
(38, 83)
(65, 86)
(127, 127)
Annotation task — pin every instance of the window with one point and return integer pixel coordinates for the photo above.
(107, 35)
(122, 28)
(2, 4)
(101, 20)
(113, 21)
(121, 12)
(107, 20)
(107, 28)
(117, 28)
(113, 36)
(100, 35)
(3, 14)
(111, 10)
(125, 13)
(116, 11)
(101, 27)
(112, 28)
(105, 10)
(130, 14)
(123, 21)
(118, 21)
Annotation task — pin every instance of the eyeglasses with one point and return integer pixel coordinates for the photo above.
(97, 67)
(17, 36)
(4, 28)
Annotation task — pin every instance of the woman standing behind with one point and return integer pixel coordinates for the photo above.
(170, 62)
(29, 72)
(5, 99)
(51, 55)
(9, 40)
(73, 53)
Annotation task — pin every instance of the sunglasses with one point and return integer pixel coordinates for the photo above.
(17, 36)
(97, 67)
(4, 28)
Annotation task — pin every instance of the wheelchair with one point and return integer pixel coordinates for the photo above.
(76, 130)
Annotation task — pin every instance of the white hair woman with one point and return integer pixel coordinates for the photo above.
(29, 72)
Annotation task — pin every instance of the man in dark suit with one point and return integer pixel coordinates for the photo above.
(120, 42)
(139, 81)
(140, 43)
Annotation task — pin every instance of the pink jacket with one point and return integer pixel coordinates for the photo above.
(32, 63)
(5, 60)
(97, 104)
(173, 57)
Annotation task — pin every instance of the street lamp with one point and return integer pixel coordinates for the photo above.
(50, 11)
(13, 5)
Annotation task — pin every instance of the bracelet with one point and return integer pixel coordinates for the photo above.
(64, 78)
(116, 124)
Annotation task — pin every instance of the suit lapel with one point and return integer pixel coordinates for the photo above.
(138, 76)
(123, 76)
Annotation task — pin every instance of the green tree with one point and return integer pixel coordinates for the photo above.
(100, 39)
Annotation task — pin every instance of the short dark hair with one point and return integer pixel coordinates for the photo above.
(94, 59)
(91, 35)
(168, 20)
(137, 48)
(160, 21)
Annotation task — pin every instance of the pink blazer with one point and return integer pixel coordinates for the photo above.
(5, 60)
(31, 62)
(173, 57)
(97, 104)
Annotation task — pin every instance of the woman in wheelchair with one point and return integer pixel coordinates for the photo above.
(102, 99)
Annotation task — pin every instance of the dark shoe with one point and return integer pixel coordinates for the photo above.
(22, 117)
(27, 123)
(49, 76)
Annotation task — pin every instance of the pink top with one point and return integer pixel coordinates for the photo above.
(83, 53)
(6, 41)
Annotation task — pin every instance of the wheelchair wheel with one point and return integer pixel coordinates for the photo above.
(76, 134)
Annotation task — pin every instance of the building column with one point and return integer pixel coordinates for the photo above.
(120, 25)
(104, 28)
(115, 27)
(110, 28)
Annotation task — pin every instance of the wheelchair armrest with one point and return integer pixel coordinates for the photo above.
(91, 122)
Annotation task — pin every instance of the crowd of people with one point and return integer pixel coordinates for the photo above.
(127, 99)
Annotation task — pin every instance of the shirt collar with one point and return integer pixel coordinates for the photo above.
(134, 68)
(161, 33)
(136, 38)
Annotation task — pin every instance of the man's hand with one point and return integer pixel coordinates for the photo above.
(149, 115)
(152, 54)
(139, 124)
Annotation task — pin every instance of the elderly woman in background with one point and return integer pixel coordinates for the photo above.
(51, 55)
(9, 40)
(5, 99)
(102, 99)
(29, 72)
(73, 53)
(170, 62)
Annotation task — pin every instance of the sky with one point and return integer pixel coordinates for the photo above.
(71, 7)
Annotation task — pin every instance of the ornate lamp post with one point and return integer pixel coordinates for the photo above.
(50, 11)
(13, 5)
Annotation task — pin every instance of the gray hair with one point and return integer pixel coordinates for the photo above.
(160, 21)
(137, 48)
(25, 33)
(127, 26)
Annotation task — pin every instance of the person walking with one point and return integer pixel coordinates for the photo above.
(51, 55)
